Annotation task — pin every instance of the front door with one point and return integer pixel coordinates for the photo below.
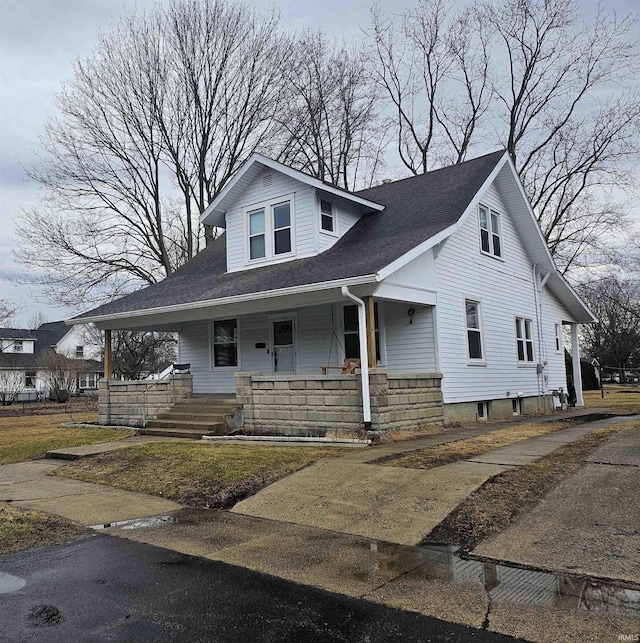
(284, 345)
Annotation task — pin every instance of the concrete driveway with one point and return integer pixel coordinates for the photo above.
(589, 524)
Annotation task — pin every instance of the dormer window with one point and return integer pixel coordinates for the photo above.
(327, 217)
(18, 346)
(270, 229)
(490, 232)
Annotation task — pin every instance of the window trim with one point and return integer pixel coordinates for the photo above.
(474, 361)
(334, 216)
(339, 313)
(525, 341)
(269, 229)
(559, 338)
(212, 361)
(491, 253)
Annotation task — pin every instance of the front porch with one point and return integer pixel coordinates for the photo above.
(273, 361)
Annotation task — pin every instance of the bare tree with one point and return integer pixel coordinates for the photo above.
(615, 339)
(11, 383)
(330, 119)
(434, 67)
(555, 90)
(137, 352)
(7, 310)
(36, 320)
(151, 127)
(60, 375)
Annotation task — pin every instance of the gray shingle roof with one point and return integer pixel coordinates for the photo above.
(16, 333)
(417, 208)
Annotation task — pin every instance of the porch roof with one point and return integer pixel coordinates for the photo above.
(416, 209)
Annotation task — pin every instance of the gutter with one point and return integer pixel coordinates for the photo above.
(210, 303)
(364, 356)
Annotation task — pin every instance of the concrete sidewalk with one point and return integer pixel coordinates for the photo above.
(27, 484)
(396, 504)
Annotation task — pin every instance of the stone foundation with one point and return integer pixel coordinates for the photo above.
(131, 403)
(320, 405)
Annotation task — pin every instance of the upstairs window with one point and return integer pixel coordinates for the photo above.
(269, 228)
(18, 346)
(327, 218)
(474, 331)
(524, 340)
(282, 228)
(225, 343)
(79, 352)
(257, 245)
(490, 232)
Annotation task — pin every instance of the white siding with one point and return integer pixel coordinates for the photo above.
(409, 346)
(346, 215)
(505, 290)
(303, 214)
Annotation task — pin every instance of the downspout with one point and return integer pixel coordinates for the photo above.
(536, 294)
(364, 356)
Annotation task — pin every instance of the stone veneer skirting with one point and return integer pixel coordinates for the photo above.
(131, 402)
(332, 404)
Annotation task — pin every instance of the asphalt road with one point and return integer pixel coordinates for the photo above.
(103, 588)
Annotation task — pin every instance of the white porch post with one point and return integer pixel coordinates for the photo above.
(577, 371)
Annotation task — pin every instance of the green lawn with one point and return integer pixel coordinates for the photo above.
(198, 475)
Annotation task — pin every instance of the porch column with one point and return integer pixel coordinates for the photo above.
(577, 370)
(371, 333)
(107, 353)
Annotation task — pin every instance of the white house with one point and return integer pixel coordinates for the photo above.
(23, 358)
(438, 282)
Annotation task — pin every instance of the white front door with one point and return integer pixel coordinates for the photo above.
(283, 334)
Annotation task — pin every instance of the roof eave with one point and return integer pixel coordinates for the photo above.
(214, 213)
(235, 299)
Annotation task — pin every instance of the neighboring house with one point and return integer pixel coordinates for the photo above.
(24, 357)
(449, 269)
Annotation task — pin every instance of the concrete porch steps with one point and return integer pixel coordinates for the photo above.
(193, 417)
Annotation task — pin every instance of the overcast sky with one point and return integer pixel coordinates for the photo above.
(39, 39)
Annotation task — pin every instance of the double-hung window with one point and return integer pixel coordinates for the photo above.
(270, 229)
(490, 232)
(559, 338)
(351, 331)
(225, 342)
(474, 330)
(327, 217)
(524, 340)
(18, 346)
(30, 379)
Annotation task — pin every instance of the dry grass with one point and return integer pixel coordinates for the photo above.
(502, 499)
(25, 438)
(449, 452)
(74, 406)
(22, 529)
(620, 400)
(197, 475)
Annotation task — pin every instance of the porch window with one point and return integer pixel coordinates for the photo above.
(257, 248)
(559, 338)
(225, 343)
(30, 379)
(351, 335)
(524, 340)
(282, 228)
(88, 380)
(327, 219)
(474, 331)
(490, 233)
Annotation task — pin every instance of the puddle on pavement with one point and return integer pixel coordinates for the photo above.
(137, 523)
(307, 554)
(9, 583)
